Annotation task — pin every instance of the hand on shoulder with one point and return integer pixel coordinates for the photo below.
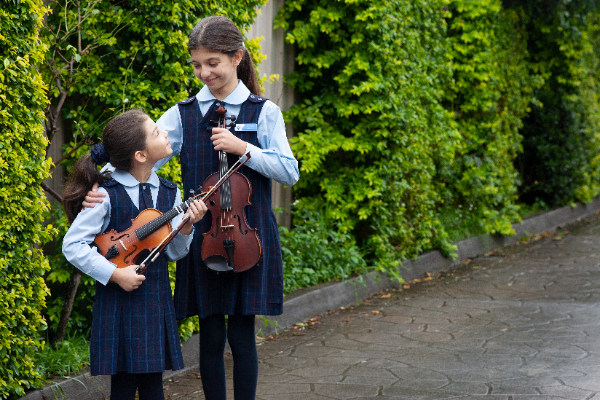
(93, 197)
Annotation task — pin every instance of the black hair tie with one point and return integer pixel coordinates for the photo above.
(99, 154)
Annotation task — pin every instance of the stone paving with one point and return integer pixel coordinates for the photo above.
(522, 323)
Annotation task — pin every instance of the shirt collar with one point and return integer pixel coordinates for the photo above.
(126, 179)
(238, 96)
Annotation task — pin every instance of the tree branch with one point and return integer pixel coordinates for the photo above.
(84, 140)
(51, 191)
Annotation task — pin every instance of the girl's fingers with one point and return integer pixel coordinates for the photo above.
(196, 211)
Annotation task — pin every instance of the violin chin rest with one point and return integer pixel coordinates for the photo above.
(218, 263)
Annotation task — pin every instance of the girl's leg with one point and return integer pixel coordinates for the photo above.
(123, 386)
(240, 333)
(212, 364)
(150, 386)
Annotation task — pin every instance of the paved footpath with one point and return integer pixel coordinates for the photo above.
(523, 323)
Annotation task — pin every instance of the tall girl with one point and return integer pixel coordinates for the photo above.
(223, 64)
(134, 330)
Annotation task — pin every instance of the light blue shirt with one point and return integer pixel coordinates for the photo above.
(274, 160)
(92, 221)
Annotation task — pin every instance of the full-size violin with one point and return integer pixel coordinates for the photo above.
(230, 245)
(151, 230)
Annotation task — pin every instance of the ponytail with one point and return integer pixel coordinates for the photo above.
(247, 73)
(85, 174)
(219, 34)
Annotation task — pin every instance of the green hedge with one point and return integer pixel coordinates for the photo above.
(489, 96)
(372, 134)
(559, 164)
(22, 168)
(421, 122)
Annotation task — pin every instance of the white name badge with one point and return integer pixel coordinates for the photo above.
(245, 127)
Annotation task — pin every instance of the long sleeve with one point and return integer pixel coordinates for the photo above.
(76, 243)
(275, 159)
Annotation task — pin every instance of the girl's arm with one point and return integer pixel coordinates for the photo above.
(76, 243)
(77, 250)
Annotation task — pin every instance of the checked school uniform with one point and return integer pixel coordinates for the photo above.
(258, 291)
(134, 332)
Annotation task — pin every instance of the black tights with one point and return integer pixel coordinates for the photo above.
(123, 386)
(240, 333)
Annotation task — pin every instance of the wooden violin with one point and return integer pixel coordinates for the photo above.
(230, 245)
(150, 230)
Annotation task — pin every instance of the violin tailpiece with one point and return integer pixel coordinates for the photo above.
(229, 245)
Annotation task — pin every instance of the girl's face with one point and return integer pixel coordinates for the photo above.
(157, 142)
(217, 70)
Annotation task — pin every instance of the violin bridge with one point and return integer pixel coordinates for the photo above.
(227, 226)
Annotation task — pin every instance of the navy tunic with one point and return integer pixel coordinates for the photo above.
(135, 331)
(199, 290)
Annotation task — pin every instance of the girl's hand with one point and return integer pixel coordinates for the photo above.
(224, 140)
(196, 213)
(93, 197)
(127, 278)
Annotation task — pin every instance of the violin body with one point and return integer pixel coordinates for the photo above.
(124, 248)
(230, 244)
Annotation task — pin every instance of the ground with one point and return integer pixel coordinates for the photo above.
(521, 323)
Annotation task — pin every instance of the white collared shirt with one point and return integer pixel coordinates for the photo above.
(274, 160)
(92, 221)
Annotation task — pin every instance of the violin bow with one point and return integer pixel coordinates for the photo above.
(165, 242)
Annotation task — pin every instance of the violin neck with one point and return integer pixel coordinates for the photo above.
(152, 226)
(225, 192)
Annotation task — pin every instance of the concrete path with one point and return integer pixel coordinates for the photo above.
(523, 323)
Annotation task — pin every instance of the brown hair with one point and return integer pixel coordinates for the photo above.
(121, 137)
(219, 34)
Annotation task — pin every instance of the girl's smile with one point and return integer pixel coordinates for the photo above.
(217, 70)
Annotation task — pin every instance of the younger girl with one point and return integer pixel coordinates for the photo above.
(224, 65)
(134, 331)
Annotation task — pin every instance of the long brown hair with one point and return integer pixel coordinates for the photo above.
(219, 34)
(122, 137)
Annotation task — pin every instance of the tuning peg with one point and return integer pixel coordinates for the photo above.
(192, 192)
(232, 118)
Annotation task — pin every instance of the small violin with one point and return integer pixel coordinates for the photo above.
(150, 230)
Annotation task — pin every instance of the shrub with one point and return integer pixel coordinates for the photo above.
(561, 142)
(371, 132)
(23, 167)
(489, 96)
(316, 251)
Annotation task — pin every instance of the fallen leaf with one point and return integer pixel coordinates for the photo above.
(376, 312)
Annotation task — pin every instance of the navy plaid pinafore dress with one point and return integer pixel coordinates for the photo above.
(199, 290)
(135, 331)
